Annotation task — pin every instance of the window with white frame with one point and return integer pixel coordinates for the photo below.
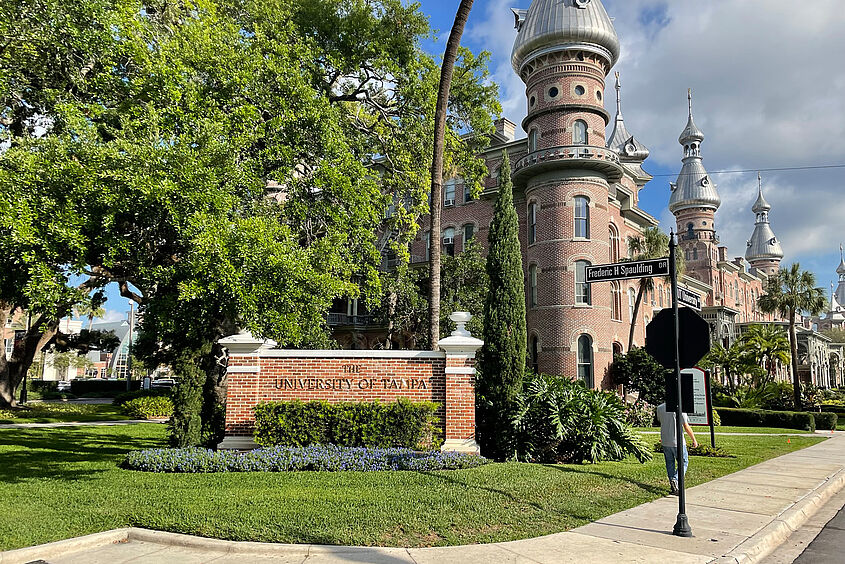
(533, 140)
(449, 241)
(585, 360)
(467, 192)
(449, 192)
(582, 289)
(532, 223)
(616, 301)
(579, 132)
(469, 232)
(582, 217)
(614, 243)
(532, 285)
(632, 300)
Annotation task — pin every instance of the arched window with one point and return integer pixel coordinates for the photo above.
(532, 222)
(585, 360)
(582, 289)
(632, 299)
(660, 295)
(690, 233)
(534, 353)
(582, 217)
(614, 243)
(695, 253)
(617, 349)
(616, 301)
(449, 241)
(533, 139)
(532, 285)
(579, 132)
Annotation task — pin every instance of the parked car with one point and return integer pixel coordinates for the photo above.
(163, 383)
(63, 386)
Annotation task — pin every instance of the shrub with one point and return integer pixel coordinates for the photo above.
(764, 418)
(560, 420)
(42, 386)
(640, 414)
(351, 424)
(826, 420)
(47, 410)
(120, 399)
(323, 458)
(639, 371)
(700, 450)
(154, 407)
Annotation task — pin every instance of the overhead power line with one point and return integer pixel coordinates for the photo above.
(756, 170)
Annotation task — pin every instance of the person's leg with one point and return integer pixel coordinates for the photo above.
(686, 459)
(669, 454)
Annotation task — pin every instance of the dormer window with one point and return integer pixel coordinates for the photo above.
(579, 132)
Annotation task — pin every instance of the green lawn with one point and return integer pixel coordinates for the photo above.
(62, 412)
(705, 431)
(60, 483)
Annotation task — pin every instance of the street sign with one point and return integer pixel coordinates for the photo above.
(625, 270)
(660, 338)
(687, 393)
(700, 412)
(689, 298)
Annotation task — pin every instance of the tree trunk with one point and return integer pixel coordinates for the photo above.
(636, 313)
(12, 371)
(796, 380)
(437, 166)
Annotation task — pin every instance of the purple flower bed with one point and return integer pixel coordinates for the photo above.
(320, 458)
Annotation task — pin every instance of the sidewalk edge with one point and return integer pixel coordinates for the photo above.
(62, 547)
(764, 541)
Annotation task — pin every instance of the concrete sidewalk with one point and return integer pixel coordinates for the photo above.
(736, 519)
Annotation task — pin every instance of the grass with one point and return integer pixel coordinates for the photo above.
(62, 413)
(61, 483)
(705, 431)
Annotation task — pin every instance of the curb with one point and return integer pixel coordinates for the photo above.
(62, 547)
(764, 541)
(217, 545)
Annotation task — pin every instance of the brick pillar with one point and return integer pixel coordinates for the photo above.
(242, 391)
(460, 348)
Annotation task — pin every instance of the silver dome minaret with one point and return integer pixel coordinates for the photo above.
(764, 252)
(694, 189)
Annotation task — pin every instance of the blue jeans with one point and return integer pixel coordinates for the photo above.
(670, 453)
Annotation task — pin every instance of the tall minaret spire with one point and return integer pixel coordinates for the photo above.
(764, 251)
(618, 95)
(626, 146)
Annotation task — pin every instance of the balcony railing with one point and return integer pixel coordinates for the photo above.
(342, 319)
(567, 152)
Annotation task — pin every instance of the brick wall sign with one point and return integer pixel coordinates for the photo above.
(257, 373)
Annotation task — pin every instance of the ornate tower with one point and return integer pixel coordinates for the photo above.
(563, 52)
(694, 202)
(764, 252)
(840, 270)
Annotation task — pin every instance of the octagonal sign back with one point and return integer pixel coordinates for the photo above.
(694, 340)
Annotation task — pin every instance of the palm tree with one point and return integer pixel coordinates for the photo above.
(733, 363)
(653, 244)
(437, 165)
(789, 292)
(769, 345)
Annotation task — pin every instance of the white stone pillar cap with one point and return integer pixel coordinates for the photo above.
(460, 341)
(245, 343)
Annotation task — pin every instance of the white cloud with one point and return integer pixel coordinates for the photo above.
(767, 81)
(111, 316)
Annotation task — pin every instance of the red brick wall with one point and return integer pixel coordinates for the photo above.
(347, 376)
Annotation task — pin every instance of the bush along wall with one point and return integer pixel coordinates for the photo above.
(351, 424)
(151, 407)
(826, 421)
(764, 418)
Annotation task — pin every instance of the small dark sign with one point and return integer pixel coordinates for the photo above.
(694, 342)
(625, 270)
(689, 298)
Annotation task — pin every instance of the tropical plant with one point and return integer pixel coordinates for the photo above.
(503, 354)
(639, 371)
(440, 113)
(769, 345)
(560, 420)
(789, 293)
(652, 244)
(734, 363)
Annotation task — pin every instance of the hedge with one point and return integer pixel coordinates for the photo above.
(350, 424)
(148, 407)
(120, 399)
(826, 420)
(97, 386)
(42, 386)
(764, 418)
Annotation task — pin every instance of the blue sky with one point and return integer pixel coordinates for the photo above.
(767, 83)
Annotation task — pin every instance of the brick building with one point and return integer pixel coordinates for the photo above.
(576, 193)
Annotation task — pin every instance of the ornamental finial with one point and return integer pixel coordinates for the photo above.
(618, 95)
(689, 101)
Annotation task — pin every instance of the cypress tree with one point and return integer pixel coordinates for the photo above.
(502, 362)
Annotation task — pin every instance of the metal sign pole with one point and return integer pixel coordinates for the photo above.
(682, 528)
